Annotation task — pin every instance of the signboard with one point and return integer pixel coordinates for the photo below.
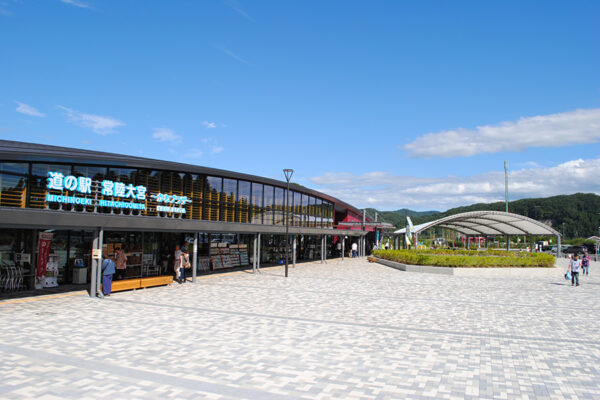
(97, 254)
(44, 244)
(124, 196)
(22, 258)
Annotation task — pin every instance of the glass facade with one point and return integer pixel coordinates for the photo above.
(156, 193)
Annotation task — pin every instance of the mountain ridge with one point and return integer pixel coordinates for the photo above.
(579, 212)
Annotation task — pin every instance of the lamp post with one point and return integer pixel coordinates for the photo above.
(288, 175)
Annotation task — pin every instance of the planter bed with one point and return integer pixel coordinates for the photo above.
(515, 272)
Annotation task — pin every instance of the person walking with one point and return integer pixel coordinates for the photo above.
(121, 263)
(585, 264)
(177, 263)
(574, 266)
(185, 263)
(354, 250)
(165, 254)
(108, 270)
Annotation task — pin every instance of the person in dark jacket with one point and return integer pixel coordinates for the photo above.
(108, 270)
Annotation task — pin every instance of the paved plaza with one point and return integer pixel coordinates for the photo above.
(342, 330)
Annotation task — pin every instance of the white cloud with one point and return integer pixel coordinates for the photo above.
(76, 3)
(28, 110)
(100, 124)
(209, 125)
(194, 153)
(554, 130)
(166, 135)
(389, 192)
(235, 6)
(212, 145)
(232, 54)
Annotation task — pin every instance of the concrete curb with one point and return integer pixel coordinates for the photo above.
(507, 272)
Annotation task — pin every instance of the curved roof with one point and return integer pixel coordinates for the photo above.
(488, 223)
(22, 151)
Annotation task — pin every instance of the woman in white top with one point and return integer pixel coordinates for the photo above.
(177, 264)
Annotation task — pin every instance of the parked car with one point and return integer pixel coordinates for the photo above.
(575, 250)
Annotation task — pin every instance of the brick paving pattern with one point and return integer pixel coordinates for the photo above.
(342, 330)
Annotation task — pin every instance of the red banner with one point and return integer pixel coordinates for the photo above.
(44, 245)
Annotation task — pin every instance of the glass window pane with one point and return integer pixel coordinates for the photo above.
(43, 169)
(268, 198)
(268, 205)
(96, 173)
(17, 168)
(244, 191)
(13, 190)
(257, 194)
(125, 175)
(214, 184)
(243, 203)
(257, 203)
(230, 190)
(278, 207)
(297, 209)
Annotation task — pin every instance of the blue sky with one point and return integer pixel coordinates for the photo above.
(384, 104)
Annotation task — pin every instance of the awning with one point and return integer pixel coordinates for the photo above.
(488, 223)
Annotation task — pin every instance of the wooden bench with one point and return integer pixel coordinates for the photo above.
(137, 283)
(156, 281)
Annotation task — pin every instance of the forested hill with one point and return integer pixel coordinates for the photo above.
(579, 212)
(397, 218)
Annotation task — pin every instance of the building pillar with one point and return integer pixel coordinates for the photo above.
(468, 242)
(294, 251)
(558, 244)
(325, 249)
(254, 253)
(258, 255)
(96, 273)
(531, 243)
(343, 246)
(195, 261)
(507, 242)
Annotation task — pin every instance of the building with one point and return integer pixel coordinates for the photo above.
(61, 208)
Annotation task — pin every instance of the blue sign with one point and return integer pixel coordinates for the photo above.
(119, 189)
(171, 199)
(58, 181)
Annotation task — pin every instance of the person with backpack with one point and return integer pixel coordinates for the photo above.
(108, 270)
(574, 266)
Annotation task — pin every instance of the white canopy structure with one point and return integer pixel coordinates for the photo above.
(488, 223)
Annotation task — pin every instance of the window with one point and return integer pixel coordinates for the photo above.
(268, 205)
(13, 190)
(278, 216)
(38, 185)
(296, 214)
(257, 203)
(243, 203)
(97, 174)
(42, 170)
(305, 210)
(15, 168)
(228, 200)
(212, 198)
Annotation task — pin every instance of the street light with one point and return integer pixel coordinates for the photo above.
(288, 175)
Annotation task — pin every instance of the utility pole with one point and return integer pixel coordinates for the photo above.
(506, 184)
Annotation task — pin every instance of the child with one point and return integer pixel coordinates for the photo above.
(574, 265)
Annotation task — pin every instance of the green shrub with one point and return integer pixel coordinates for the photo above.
(467, 258)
